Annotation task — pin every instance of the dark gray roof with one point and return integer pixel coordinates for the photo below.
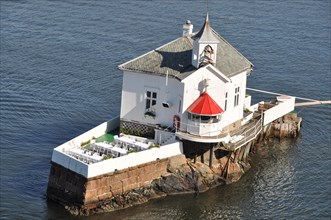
(230, 61)
(175, 57)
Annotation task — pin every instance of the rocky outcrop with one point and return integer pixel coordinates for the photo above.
(287, 126)
(188, 178)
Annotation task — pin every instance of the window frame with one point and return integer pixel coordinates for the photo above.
(150, 101)
(236, 96)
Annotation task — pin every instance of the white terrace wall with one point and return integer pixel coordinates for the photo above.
(73, 164)
(134, 159)
(60, 157)
(107, 166)
(282, 108)
(69, 162)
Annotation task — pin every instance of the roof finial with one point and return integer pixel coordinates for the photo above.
(207, 6)
(207, 17)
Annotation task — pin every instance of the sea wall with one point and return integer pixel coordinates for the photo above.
(82, 194)
(112, 184)
(65, 186)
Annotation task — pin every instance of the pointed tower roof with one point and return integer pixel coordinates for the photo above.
(205, 105)
(206, 34)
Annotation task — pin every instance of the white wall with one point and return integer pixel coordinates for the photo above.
(133, 101)
(134, 159)
(69, 162)
(247, 102)
(94, 132)
(164, 137)
(234, 113)
(283, 107)
(135, 86)
(119, 163)
(194, 86)
(219, 84)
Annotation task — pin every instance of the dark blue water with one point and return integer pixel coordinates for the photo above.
(59, 78)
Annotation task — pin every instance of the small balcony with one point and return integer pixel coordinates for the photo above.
(204, 121)
(206, 129)
(202, 131)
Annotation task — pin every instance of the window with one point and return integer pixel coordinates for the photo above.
(150, 100)
(208, 51)
(236, 97)
(226, 101)
(207, 56)
(204, 118)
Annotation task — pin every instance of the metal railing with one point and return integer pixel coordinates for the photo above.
(248, 134)
(203, 130)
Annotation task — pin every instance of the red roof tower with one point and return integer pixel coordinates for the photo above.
(205, 105)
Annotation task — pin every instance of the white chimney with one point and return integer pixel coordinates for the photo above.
(206, 83)
(187, 28)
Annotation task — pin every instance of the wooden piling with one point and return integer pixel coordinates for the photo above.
(210, 155)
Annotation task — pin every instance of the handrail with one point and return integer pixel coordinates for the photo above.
(201, 135)
(250, 134)
(169, 131)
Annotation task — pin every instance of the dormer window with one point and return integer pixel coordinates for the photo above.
(207, 56)
(208, 51)
(205, 46)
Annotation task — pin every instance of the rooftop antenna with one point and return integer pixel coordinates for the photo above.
(167, 76)
(166, 104)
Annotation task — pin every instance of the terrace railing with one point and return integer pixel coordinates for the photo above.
(202, 130)
(247, 134)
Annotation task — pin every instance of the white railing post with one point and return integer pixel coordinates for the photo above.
(255, 128)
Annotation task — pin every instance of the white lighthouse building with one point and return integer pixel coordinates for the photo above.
(194, 86)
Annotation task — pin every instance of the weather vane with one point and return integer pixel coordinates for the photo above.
(207, 5)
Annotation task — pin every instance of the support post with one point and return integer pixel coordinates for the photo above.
(195, 152)
(210, 155)
(202, 158)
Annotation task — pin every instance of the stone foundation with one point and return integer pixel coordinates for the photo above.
(287, 126)
(74, 190)
(117, 183)
(65, 186)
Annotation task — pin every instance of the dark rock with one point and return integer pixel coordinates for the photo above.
(171, 184)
